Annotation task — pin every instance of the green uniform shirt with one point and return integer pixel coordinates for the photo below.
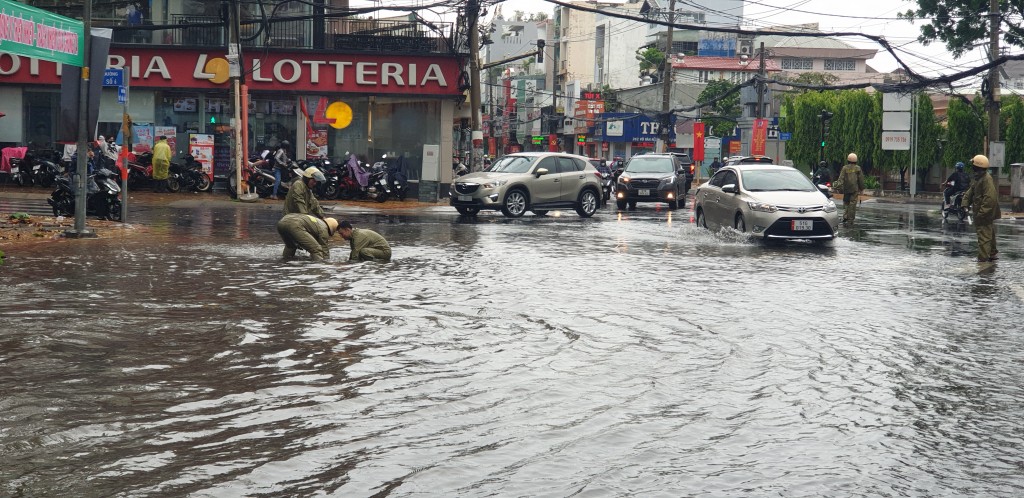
(367, 239)
(300, 200)
(853, 178)
(983, 196)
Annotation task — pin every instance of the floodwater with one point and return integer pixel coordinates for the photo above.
(630, 354)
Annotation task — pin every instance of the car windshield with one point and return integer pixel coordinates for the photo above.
(768, 180)
(649, 165)
(511, 164)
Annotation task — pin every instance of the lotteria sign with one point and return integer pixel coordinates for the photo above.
(315, 72)
(32, 32)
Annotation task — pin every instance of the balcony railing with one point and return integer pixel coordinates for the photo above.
(357, 35)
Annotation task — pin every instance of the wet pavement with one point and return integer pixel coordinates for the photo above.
(631, 354)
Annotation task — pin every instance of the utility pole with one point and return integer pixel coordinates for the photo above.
(472, 17)
(760, 86)
(993, 74)
(666, 92)
(80, 230)
(235, 72)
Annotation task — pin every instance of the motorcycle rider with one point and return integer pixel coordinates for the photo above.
(281, 163)
(956, 183)
(300, 197)
(366, 245)
(306, 232)
(822, 175)
(161, 164)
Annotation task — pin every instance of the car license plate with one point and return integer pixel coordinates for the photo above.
(465, 198)
(643, 192)
(803, 225)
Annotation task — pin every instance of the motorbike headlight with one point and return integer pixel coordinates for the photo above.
(764, 207)
(495, 183)
(830, 206)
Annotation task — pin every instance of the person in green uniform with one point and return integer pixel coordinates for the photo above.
(161, 164)
(366, 245)
(853, 185)
(300, 197)
(304, 231)
(984, 197)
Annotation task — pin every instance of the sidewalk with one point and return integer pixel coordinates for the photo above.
(930, 198)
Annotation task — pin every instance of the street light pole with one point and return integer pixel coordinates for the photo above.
(993, 74)
(80, 230)
(666, 90)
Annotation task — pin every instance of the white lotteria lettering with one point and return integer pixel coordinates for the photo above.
(412, 74)
(257, 71)
(364, 69)
(314, 70)
(33, 66)
(115, 62)
(296, 71)
(13, 67)
(434, 74)
(390, 70)
(199, 72)
(339, 71)
(158, 66)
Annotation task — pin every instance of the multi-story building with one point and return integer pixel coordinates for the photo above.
(820, 54)
(616, 42)
(398, 83)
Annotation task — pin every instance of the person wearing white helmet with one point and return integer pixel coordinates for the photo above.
(984, 197)
(307, 232)
(852, 179)
(300, 197)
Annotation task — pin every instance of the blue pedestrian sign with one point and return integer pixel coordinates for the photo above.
(122, 95)
(785, 136)
(113, 77)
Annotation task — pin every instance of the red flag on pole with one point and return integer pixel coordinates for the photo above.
(760, 137)
(698, 141)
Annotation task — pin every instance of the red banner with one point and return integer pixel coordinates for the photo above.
(760, 137)
(698, 141)
(552, 143)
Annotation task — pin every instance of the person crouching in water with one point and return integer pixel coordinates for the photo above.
(303, 231)
(366, 245)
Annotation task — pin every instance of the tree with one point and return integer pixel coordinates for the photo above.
(720, 117)
(652, 62)
(1014, 132)
(960, 24)
(966, 126)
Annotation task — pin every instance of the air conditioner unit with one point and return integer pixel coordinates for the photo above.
(567, 123)
(744, 50)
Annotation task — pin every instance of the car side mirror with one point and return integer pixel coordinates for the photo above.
(730, 188)
(540, 172)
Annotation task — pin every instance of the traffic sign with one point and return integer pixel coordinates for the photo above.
(122, 95)
(113, 77)
(785, 136)
(773, 132)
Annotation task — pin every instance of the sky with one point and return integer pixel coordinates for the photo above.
(875, 17)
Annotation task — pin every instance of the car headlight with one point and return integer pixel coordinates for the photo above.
(762, 206)
(668, 181)
(830, 206)
(495, 184)
(623, 179)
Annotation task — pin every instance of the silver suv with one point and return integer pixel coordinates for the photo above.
(530, 181)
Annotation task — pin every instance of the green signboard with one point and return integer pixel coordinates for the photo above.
(44, 35)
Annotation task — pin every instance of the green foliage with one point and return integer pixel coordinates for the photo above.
(871, 183)
(651, 60)
(962, 23)
(966, 135)
(1014, 135)
(814, 78)
(721, 116)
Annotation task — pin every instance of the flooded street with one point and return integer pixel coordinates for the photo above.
(631, 354)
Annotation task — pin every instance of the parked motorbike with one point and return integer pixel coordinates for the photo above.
(397, 179)
(331, 188)
(34, 169)
(103, 195)
(21, 170)
(349, 180)
(195, 179)
(955, 208)
(140, 171)
(379, 188)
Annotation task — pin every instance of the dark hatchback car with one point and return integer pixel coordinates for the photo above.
(652, 178)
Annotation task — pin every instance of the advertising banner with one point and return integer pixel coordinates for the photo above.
(200, 145)
(172, 136)
(760, 137)
(698, 142)
(142, 138)
(41, 34)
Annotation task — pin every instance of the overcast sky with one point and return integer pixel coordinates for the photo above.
(876, 17)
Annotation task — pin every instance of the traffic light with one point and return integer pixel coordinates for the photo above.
(213, 119)
(826, 120)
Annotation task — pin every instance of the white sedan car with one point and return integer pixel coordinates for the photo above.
(775, 202)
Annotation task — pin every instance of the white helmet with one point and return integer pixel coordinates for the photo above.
(852, 158)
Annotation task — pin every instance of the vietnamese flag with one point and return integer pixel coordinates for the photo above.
(698, 141)
(760, 138)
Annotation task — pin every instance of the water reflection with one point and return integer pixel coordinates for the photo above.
(541, 356)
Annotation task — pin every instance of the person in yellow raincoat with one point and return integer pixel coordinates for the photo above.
(161, 164)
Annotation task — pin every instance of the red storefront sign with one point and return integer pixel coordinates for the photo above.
(309, 72)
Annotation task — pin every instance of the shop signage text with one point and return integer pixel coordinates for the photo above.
(33, 32)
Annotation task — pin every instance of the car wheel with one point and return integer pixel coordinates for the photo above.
(701, 222)
(515, 204)
(621, 204)
(467, 211)
(741, 224)
(673, 205)
(540, 212)
(587, 204)
(632, 204)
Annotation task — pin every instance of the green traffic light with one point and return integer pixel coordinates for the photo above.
(822, 143)
(213, 119)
